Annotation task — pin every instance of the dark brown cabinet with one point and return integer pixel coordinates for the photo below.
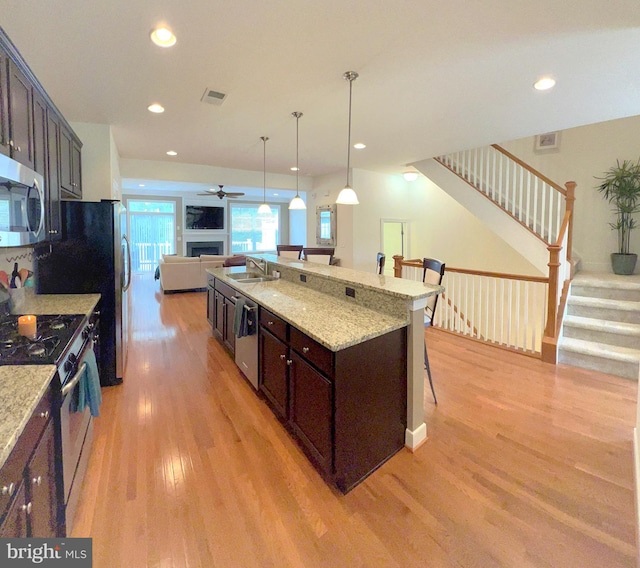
(33, 132)
(311, 413)
(52, 185)
(211, 298)
(5, 148)
(224, 307)
(47, 162)
(28, 481)
(346, 408)
(41, 483)
(70, 167)
(15, 523)
(21, 135)
(274, 375)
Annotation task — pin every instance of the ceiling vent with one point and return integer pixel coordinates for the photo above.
(213, 97)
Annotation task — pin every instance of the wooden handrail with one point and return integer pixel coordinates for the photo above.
(399, 262)
(530, 169)
(486, 196)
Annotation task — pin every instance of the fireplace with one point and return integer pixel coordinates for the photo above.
(196, 248)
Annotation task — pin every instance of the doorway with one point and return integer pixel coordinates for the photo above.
(152, 230)
(395, 240)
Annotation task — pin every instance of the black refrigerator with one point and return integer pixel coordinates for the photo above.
(92, 257)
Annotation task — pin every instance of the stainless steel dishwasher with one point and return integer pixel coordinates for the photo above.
(247, 346)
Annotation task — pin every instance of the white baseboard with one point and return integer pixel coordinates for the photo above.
(636, 464)
(414, 439)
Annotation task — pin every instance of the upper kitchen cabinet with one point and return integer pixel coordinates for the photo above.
(21, 134)
(70, 165)
(34, 132)
(4, 98)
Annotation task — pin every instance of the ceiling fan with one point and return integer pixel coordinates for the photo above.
(221, 194)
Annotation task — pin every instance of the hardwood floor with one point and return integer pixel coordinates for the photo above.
(526, 465)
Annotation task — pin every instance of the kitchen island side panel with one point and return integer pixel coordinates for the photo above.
(370, 406)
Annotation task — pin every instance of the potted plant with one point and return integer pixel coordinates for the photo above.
(621, 188)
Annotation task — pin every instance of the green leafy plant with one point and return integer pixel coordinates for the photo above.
(621, 188)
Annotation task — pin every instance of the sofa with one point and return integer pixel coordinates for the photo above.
(187, 272)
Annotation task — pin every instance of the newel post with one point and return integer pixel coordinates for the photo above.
(569, 203)
(552, 302)
(397, 265)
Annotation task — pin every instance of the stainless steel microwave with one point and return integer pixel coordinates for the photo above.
(22, 204)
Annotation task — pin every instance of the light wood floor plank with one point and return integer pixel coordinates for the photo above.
(527, 465)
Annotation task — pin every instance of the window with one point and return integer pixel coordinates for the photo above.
(251, 232)
(152, 229)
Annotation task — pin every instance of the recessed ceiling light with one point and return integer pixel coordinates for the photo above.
(359, 146)
(410, 176)
(141, 185)
(544, 83)
(293, 169)
(275, 195)
(155, 107)
(163, 37)
(172, 153)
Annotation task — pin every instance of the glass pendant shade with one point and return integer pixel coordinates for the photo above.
(264, 209)
(297, 202)
(347, 197)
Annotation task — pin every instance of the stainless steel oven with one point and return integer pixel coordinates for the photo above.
(22, 204)
(76, 426)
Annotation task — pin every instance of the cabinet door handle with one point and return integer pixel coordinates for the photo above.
(289, 362)
(11, 143)
(37, 480)
(269, 323)
(283, 357)
(27, 508)
(8, 489)
(305, 350)
(44, 414)
(19, 149)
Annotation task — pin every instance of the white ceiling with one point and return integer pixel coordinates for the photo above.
(435, 76)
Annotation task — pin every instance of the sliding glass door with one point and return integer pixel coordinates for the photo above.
(152, 232)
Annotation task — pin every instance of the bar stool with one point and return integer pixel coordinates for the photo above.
(290, 251)
(432, 273)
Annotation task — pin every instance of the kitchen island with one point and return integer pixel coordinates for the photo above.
(348, 314)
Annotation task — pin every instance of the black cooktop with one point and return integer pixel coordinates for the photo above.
(53, 334)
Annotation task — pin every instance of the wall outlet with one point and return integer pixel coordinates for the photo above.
(350, 292)
(303, 278)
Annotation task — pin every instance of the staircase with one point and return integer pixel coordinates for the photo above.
(601, 330)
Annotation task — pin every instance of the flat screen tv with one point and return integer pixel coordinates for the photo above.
(203, 217)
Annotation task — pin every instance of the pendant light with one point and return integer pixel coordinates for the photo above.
(297, 202)
(264, 209)
(347, 196)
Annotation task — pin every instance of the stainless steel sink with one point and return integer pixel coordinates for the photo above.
(250, 277)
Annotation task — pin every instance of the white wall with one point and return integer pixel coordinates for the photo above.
(583, 154)
(99, 161)
(439, 227)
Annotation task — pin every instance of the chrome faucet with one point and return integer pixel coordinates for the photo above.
(261, 264)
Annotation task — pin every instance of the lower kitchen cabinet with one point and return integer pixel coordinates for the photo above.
(312, 410)
(347, 408)
(224, 310)
(28, 480)
(274, 363)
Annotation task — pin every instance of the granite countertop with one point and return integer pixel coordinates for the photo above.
(22, 386)
(63, 304)
(21, 389)
(332, 322)
(398, 287)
